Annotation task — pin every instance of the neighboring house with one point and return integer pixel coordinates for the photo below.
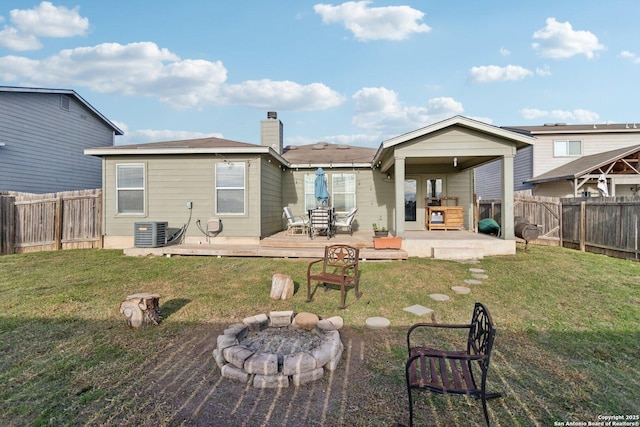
(568, 161)
(43, 134)
(246, 186)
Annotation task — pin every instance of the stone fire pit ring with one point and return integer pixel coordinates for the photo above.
(319, 350)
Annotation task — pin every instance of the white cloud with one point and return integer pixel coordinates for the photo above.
(576, 116)
(544, 71)
(559, 40)
(633, 57)
(379, 109)
(13, 39)
(144, 69)
(282, 95)
(504, 52)
(374, 23)
(45, 20)
(494, 73)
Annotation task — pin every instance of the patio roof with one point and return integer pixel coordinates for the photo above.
(466, 156)
(588, 164)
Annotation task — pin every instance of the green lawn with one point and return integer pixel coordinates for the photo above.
(566, 351)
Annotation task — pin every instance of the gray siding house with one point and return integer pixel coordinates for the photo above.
(568, 161)
(245, 186)
(43, 134)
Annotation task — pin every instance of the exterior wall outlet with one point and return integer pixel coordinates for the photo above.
(189, 205)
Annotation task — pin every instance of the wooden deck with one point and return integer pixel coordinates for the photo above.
(452, 244)
(281, 245)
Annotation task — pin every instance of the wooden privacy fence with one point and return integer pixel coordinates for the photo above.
(37, 222)
(605, 225)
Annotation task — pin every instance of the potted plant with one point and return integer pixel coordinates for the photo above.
(387, 242)
(379, 231)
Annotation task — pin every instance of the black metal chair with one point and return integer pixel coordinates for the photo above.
(430, 369)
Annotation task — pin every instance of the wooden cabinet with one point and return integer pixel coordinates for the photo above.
(444, 218)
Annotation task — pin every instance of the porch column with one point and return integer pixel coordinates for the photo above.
(399, 190)
(506, 218)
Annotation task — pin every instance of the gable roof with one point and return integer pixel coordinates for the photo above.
(67, 92)
(521, 140)
(585, 165)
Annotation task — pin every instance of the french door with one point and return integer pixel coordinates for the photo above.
(420, 191)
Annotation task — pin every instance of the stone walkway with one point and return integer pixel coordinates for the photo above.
(477, 274)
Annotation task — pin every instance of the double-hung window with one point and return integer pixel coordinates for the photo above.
(230, 188)
(344, 191)
(567, 148)
(130, 188)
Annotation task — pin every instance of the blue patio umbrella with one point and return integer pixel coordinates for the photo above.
(321, 192)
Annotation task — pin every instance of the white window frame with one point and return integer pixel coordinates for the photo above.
(336, 193)
(309, 190)
(142, 188)
(219, 168)
(562, 147)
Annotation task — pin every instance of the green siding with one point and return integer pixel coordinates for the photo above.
(171, 182)
(271, 197)
(374, 195)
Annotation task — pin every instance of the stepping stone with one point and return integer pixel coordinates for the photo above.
(479, 276)
(440, 297)
(461, 289)
(418, 310)
(377, 322)
(476, 270)
(472, 282)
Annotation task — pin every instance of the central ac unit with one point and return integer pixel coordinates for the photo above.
(151, 234)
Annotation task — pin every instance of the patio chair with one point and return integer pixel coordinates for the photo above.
(430, 369)
(347, 221)
(339, 267)
(295, 224)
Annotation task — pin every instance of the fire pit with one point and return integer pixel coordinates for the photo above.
(279, 349)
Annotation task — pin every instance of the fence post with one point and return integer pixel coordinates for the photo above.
(57, 230)
(583, 226)
(7, 224)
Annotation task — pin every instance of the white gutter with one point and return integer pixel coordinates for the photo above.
(182, 149)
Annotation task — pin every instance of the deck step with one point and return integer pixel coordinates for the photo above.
(455, 253)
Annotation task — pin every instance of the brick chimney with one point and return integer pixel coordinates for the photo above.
(271, 132)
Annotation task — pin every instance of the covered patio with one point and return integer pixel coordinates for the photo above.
(437, 163)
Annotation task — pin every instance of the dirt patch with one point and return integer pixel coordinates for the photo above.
(193, 393)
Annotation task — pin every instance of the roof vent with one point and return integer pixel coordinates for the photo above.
(561, 124)
(342, 147)
(318, 146)
(549, 124)
(272, 115)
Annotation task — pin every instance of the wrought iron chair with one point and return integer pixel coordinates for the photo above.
(295, 224)
(347, 221)
(339, 267)
(446, 372)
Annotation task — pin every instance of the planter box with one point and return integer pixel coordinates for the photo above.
(380, 233)
(387, 243)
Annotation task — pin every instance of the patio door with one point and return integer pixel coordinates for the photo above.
(420, 192)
